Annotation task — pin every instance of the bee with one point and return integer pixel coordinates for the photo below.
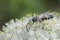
(41, 18)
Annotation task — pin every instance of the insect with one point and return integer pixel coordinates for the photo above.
(40, 18)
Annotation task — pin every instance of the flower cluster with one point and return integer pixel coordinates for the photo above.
(46, 30)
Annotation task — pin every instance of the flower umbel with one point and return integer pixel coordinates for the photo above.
(45, 30)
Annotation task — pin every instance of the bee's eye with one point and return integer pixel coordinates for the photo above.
(34, 19)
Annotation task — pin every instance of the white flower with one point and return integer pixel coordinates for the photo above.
(47, 30)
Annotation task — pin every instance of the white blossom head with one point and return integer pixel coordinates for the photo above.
(47, 30)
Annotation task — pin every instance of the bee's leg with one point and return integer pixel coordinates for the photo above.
(27, 28)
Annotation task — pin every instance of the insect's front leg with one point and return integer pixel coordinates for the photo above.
(29, 25)
(27, 28)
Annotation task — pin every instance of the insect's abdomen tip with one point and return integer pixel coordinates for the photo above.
(50, 16)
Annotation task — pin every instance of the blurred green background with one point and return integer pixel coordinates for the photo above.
(11, 9)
